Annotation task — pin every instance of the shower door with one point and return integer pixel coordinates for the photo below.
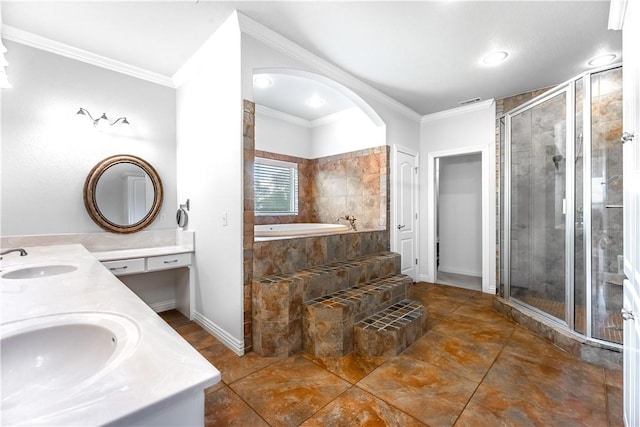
(539, 205)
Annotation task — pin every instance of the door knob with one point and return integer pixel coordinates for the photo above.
(627, 314)
(400, 227)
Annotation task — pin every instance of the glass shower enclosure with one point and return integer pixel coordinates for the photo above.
(562, 205)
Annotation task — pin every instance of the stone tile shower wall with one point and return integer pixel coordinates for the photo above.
(248, 145)
(354, 183)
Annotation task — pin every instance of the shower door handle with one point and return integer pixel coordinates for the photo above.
(626, 137)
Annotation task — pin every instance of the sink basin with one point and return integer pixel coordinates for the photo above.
(37, 271)
(49, 359)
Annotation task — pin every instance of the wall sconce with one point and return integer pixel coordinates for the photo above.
(84, 112)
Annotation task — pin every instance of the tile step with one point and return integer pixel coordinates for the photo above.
(390, 331)
(328, 320)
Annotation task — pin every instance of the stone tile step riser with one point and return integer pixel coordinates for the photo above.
(339, 275)
(390, 331)
(328, 321)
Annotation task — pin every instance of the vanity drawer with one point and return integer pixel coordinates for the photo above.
(168, 261)
(125, 266)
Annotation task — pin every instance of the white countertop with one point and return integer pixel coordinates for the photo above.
(162, 365)
(140, 253)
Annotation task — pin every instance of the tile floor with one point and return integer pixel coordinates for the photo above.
(472, 368)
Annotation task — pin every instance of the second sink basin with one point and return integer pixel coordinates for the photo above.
(37, 271)
(48, 359)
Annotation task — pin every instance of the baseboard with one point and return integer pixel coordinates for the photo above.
(234, 345)
(426, 278)
(163, 305)
(454, 270)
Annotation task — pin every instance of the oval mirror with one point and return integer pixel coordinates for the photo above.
(123, 194)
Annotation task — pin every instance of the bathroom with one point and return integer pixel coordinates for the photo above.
(195, 143)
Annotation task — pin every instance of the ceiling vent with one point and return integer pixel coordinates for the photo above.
(470, 101)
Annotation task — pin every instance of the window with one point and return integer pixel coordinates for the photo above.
(275, 187)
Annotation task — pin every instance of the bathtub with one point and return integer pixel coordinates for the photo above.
(298, 229)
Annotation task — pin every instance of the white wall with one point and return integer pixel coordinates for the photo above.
(48, 150)
(453, 132)
(282, 136)
(343, 132)
(460, 214)
(210, 174)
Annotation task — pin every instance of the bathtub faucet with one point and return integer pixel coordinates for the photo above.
(351, 219)
(8, 251)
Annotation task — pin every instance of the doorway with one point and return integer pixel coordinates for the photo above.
(459, 221)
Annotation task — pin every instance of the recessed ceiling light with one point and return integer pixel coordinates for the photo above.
(315, 102)
(262, 81)
(495, 57)
(602, 60)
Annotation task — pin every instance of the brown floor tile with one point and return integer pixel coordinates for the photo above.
(225, 408)
(456, 355)
(485, 314)
(352, 368)
(554, 386)
(613, 377)
(481, 299)
(356, 407)
(443, 305)
(615, 406)
(188, 328)
(473, 330)
(200, 339)
(489, 407)
(233, 367)
(432, 395)
(536, 349)
(174, 318)
(531, 382)
(290, 391)
(215, 387)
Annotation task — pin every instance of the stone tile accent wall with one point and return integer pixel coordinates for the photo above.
(289, 255)
(248, 143)
(354, 183)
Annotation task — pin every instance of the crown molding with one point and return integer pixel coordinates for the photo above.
(274, 40)
(321, 121)
(457, 111)
(29, 39)
(617, 10)
(270, 112)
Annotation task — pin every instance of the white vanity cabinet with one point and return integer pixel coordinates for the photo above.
(160, 276)
(122, 267)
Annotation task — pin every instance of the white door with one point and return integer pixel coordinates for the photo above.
(405, 219)
(631, 194)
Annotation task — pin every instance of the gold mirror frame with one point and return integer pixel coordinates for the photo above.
(91, 203)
